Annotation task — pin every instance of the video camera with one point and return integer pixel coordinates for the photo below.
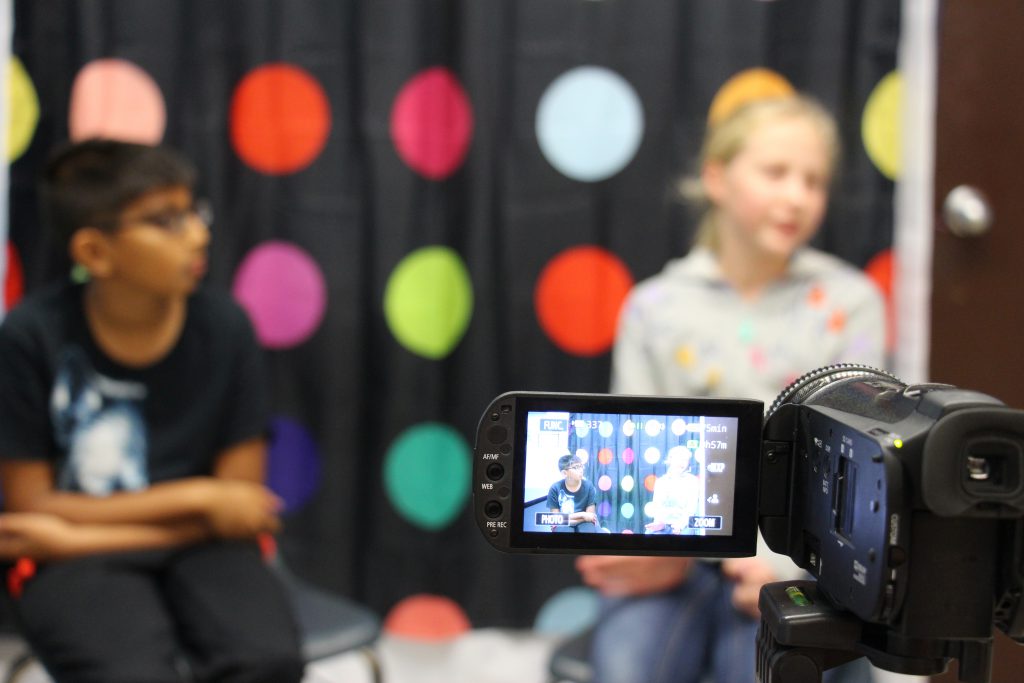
(905, 503)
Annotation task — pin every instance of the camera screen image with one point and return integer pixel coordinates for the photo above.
(634, 474)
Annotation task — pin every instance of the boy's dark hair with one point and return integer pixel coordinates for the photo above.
(89, 183)
(566, 460)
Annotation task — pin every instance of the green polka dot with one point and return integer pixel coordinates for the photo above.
(428, 301)
(426, 474)
(746, 331)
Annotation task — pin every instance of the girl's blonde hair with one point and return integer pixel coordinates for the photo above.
(725, 139)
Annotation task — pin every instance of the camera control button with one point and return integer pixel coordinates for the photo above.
(493, 508)
(497, 434)
(897, 556)
(495, 471)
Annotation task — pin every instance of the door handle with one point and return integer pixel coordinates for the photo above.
(966, 212)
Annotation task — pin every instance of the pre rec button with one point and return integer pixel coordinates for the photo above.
(492, 509)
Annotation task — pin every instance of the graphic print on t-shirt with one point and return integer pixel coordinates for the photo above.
(566, 502)
(98, 422)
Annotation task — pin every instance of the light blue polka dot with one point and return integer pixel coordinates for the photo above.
(568, 612)
(589, 123)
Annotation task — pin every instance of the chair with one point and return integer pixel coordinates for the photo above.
(571, 660)
(329, 624)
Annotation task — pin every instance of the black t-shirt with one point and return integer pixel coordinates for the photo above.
(580, 499)
(108, 427)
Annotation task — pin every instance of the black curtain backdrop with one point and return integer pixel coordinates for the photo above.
(357, 209)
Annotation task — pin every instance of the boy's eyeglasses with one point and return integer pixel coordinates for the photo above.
(577, 466)
(175, 222)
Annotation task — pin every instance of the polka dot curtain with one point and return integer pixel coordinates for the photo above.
(421, 204)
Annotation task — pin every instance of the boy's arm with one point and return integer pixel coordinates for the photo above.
(28, 487)
(229, 504)
(47, 537)
(244, 465)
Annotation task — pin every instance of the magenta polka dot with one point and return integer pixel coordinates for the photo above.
(432, 123)
(282, 289)
(628, 456)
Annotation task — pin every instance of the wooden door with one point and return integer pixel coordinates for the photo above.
(978, 282)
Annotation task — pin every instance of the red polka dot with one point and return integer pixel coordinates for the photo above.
(426, 617)
(280, 119)
(578, 297)
(432, 123)
(881, 269)
(604, 456)
(14, 280)
(649, 481)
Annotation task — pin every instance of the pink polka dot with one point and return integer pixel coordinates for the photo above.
(432, 123)
(426, 617)
(282, 289)
(628, 456)
(114, 98)
(604, 482)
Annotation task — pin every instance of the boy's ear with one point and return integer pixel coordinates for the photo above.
(712, 177)
(90, 248)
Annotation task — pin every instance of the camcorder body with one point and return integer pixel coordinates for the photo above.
(904, 503)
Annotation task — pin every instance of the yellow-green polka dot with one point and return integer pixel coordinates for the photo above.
(23, 109)
(882, 126)
(428, 301)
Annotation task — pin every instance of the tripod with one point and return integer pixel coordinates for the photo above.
(802, 635)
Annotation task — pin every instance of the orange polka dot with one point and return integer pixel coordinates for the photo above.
(649, 481)
(578, 296)
(604, 456)
(837, 321)
(426, 617)
(816, 297)
(745, 87)
(280, 119)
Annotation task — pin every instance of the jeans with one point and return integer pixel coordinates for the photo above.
(691, 634)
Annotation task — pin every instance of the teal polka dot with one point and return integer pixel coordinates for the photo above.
(428, 301)
(427, 474)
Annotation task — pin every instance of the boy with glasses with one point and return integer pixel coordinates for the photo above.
(133, 411)
(575, 497)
